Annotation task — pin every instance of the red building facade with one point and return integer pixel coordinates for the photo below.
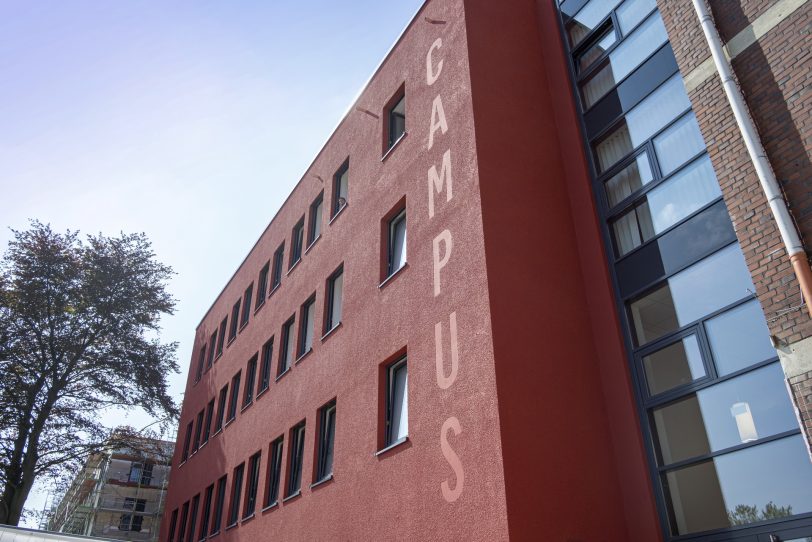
(427, 342)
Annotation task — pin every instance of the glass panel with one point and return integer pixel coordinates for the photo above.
(674, 365)
(739, 338)
(746, 408)
(633, 228)
(289, 346)
(632, 12)
(400, 404)
(588, 18)
(678, 143)
(686, 192)
(317, 219)
(338, 292)
(709, 285)
(310, 314)
(628, 180)
(588, 57)
(760, 483)
(398, 243)
(625, 58)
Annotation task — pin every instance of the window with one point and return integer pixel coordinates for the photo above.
(397, 403)
(596, 50)
(396, 118)
(262, 284)
(233, 401)
(146, 474)
(297, 435)
(133, 522)
(246, 304)
(396, 252)
(207, 424)
(221, 408)
(236, 493)
(141, 473)
(212, 347)
(250, 380)
(286, 352)
(678, 143)
(628, 180)
(316, 211)
(253, 484)
(221, 338)
(265, 368)
(278, 257)
(184, 517)
(219, 503)
(327, 427)
(306, 329)
(335, 292)
(341, 181)
(187, 440)
(274, 472)
(173, 522)
(588, 18)
(296, 243)
(235, 318)
(200, 364)
(631, 12)
(198, 429)
(204, 521)
(190, 537)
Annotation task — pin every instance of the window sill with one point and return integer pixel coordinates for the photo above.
(292, 496)
(394, 146)
(229, 527)
(292, 267)
(392, 446)
(303, 356)
(261, 393)
(273, 290)
(323, 481)
(201, 446)
(217, 432)
(229, 422)
(246, 519)
(245, 407)
(243, 326)
(215, 533)
(391, 277)
(341, 210)
(313, 242)
(217, 357)
(231, 341)
(330, 332)
(283, 373)
(256, 309)
(271, 506)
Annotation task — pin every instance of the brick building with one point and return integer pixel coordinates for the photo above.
(530, 288)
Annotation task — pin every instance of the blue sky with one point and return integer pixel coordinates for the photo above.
(189, 121)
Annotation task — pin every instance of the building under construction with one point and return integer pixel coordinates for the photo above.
(119, 493)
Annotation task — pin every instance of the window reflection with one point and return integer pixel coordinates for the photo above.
(629, 180)
(596, 51)
(632, 12)
(678, 143)
(739, 338)
(588, 19)
(674, 365)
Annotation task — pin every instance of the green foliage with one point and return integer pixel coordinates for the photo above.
(745, 514)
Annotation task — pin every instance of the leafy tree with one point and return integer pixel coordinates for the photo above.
(79, 325)
(744, 514)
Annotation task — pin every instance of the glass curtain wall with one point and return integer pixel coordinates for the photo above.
(722, 434)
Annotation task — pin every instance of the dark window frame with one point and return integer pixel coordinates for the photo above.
(297, 240)
(400, 363)
(262, 284)
(187, 441)
(337, 204)
(265, 368)
(207, 423)
(200, 363)
(329, 301)
(173, 523)
(287, 339)
(295, 460)
(222, 399)
(392, 223)
(278, 264)
(198, 430)
(235, 320)
(306, 320)
(219, 505)
(250, 380)
(221, 338)
(234, 399)
(313, 221)
(274, 471)
(252, 487)
(236, 495)
(247, 298)
(206, 513)
(392, 135)
(326, 442)
(184, 518)
(190, 534)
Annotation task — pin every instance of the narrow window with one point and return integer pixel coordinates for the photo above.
(296, 243)
(207, 423)
(219, 503)
(327, 426)
(190, 537)
(286, 352)
(146, 474)
(204, 520)
(221, 408)
(397, 403)
(187, 440)
(274, 472)
(184, 517)
(235, 393)
(253, 484)
(198, 431)
(335, 293)
(341, 181)
(173, 523)
(278, 258)
(265, 368)
(262, 284)
(221, 338)
(306, 327)
(297, 435)
(235, 317)
(212, 348)
(201, 362)
(396, 116)
(397, 243)
(316, 209)
(250, 379)
(236, 493)
(246, 304)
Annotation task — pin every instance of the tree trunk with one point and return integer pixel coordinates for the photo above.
(14, 500)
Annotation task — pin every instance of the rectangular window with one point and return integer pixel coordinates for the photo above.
(296, 243)
(235, 318)
(396, 243)
(184, 518)
(219, 504)
(198, 431)
(201, 362)
(221, 408)
(397, 402)
(187, 440)
(173, 523)
(207, 423)
(221, 338)
(335, 294)
(327, 427)
(265, 368)
(286, 352)
(246, 304)
(235, 393)
(262, 284)
(212, 349)
(308, 314)
(316, 211)
(297, 436)
(250, 380)
(396, 118)
(341, 181)
(146, 474)
(204, 520)
(278, 258)
(190, 536)
(274, 472)
(253, 484)
(236, 494)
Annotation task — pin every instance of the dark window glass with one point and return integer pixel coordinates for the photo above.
(201, 362)
(397, 120)
(397, 402)
(278, 258)
(246, 305)
(675, 365)
(297, 435)
(184, 518)
(221, 338)
(250, 379)
(190, 536)
(629, 180)
(296, 243)
(327, 427)
(306, 327)
(253, 485)
(235, 318)
(316, 211)
(198, 431)
(204, 521)
(234, 400)
(587, 19)
(187, 440)
(146, 475)
(219, 504)
(221, 408)
(173, 523)
(265, 368)
(236, 494)
(397, 243)
(335, 294)
(341, 181)
(262, 284)
(286, 352)
(212, 348)
(595, 51)
(274, 472)
(207, 423)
